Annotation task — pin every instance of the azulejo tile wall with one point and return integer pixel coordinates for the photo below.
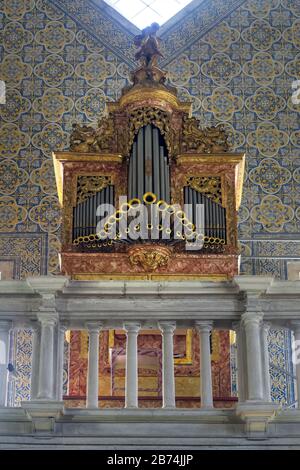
(240, 74)
(236, 61)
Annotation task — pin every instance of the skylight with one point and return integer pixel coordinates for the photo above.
(144, 12)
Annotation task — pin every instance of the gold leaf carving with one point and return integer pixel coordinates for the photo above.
(87, 186)
(149, 257)
(209, 140)
(208, 185)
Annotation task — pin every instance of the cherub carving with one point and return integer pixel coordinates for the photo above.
(82, 138)
(104, 134)
(149, 46)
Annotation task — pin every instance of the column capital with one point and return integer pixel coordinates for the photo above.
(167, 326)
(94, 327)
(131, 327)
(204, 326)
(47, 319)
(249, 318)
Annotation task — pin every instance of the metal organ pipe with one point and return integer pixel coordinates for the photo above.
(140, 164)
(162, 174)
(84, 214)
(214, 213)
(167, 180)
(156, 161)
(148, 159)
(148, 166)
(133, 175)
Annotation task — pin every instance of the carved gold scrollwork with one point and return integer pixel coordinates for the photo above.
(208, 185)
(149, 257)
(87, 139)
(209, 140)
(87, 186)
(150, 115)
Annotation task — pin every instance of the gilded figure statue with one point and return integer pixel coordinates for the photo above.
(148, 44)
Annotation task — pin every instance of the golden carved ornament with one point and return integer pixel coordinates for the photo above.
(87, 186)
(87, 139)
(208, 185)
(149, 257)
(143, 116)
(82, 138)
(209, 140)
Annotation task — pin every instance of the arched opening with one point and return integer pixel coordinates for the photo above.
(149, 165)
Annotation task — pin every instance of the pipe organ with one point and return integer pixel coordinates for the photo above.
(148, 193)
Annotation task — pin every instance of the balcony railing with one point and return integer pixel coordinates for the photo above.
(248, 305)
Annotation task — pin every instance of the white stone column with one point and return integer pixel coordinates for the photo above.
(167, 328)
(204, 328)
(93, 365)
(35, 361)
(46, 366)
(131, 378)
(296, 348)
(5, 327)
(252, 324)
(60, 361)
(265, 327)
(241, 361)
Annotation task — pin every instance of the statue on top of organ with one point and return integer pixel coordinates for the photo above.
(147, 192)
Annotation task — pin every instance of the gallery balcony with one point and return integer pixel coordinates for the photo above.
(125, 405)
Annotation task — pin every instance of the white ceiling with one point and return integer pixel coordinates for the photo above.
(144, 12)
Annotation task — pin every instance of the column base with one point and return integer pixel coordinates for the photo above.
(257, 415)
(43, 414)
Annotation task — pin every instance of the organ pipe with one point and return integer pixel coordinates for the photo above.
(214, 213)
(148, 166)
(84, 214)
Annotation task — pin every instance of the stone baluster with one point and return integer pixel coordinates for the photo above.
(5, 327)
(131, 379)
(241, 361)
(167, 328)
(252, 325)
(60, 361)
(296, 356)
(204, 328)
(46, 378)
(93, 364)
(35, 362)
(44, 387)
(265, 327)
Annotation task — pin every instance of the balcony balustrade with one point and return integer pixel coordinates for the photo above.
(52, 305)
